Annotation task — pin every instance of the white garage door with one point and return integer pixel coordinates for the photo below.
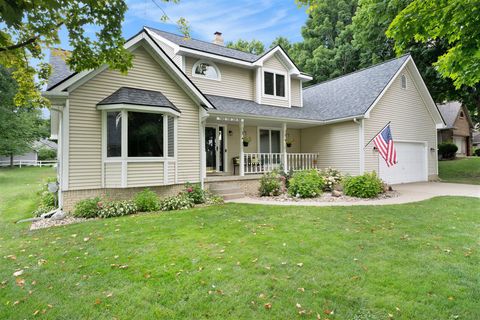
(411, 166)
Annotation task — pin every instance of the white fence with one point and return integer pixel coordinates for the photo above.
(266, 162)
(29, 163)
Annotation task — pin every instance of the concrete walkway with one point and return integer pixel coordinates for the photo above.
(409, 192)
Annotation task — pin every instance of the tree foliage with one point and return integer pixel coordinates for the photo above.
(253, 46)
(19, 126)
(30, 28)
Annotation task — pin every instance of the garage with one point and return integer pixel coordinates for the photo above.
(411, 166)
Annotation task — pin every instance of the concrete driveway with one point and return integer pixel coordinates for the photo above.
(408, 192)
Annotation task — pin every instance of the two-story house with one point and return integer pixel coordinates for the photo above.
(459, 127)
(195, 111)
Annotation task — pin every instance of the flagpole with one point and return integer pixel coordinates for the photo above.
(377, 134)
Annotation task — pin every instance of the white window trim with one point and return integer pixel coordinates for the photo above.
(219, 75)
(124, 159)
(286, 82)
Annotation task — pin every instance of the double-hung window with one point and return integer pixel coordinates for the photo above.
(146, 135)
(274, 84)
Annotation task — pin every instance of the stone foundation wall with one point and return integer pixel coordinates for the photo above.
(71, 197)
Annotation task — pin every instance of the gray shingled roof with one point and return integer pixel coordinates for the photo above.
(352, 94)
(60, 69)
(136, 96)
(347, 96)
(449, 112)
(205, 46)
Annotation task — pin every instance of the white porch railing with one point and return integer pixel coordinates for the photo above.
(301, 161)
(35, 163)
(266, 162)
(262, 162)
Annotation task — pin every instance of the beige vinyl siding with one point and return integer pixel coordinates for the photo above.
(411, 121)
(235, 82)
(171, 172)
(274, 63)
(85, 160)
(337, 146)
(296, 88)
(141, 174)
(113, 175)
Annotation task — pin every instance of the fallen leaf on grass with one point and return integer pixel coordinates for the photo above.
(20, 282)
(86, 239)
(36, 312)
(255, 260)
(451, 298)
(42, 262)
(11, 257)
(110, 294)
(300, 264)
(301, 289)
(261, 296)
(98, 301)
(328, 312)
(268, 306)
(298, 305)
(16, 302)
(18, 273)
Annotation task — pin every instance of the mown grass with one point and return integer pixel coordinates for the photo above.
(414, 261)
(466, 170)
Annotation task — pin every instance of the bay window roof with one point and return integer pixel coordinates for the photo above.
(138, 97)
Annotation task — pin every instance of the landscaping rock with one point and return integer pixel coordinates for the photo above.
(336, 193)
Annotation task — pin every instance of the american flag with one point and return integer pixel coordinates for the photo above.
(384, 143)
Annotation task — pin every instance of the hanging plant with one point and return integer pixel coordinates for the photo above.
(246, 140)
(289, 140)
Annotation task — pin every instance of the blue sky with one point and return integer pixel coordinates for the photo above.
(263, 20)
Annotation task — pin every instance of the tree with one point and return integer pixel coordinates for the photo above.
(19, 126)
(31, 27)
(282, 42)
(326, 50)
(454, 23)
(254, 46)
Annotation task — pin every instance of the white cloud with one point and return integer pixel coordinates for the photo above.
(249, 19)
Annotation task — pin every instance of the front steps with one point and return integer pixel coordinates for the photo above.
(228, 191)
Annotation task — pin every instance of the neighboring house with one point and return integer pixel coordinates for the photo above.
(476, 139)
(458, 128)
(32, 155)
(180, 113)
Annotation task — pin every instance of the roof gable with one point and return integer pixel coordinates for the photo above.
(450, 112)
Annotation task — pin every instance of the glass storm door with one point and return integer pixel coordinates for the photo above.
(211, 148)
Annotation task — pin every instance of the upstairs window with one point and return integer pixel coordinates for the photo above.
(274, 84)
(462, 115)
(205, 69)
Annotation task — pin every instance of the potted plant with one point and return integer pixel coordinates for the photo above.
(289, 141)
(246, 140)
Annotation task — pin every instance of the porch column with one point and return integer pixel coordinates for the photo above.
(242, 158)
(284, 146)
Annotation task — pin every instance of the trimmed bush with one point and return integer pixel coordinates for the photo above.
(367, 185)
(332, 177)
(117, 209)
(194, 192)
(306, 184)
(47, 154)
(477, 152)
(146, 201)
(213, 199)
(178, 202)
(270, 184)
(447, 150)
(87, 208)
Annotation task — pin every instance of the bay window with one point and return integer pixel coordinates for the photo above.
(133, 134)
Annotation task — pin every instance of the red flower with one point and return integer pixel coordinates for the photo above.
(189, 190)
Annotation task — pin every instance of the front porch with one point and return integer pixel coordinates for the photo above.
(237, 147)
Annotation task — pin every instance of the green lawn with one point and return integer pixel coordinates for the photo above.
(465, 170)
(416, 261)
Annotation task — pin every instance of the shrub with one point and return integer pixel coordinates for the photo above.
(477, 152)
(178, 202)
(306, 184)
(447, 150)
(47, 199)
(87, 208)
(367, 185)
(47, 154)
(331, 177)
(146, 201)
(212, 199)
(194, 192)
(117, 209)
(270, 184)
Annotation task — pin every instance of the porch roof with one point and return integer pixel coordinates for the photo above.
(135, 96)
(249, 107)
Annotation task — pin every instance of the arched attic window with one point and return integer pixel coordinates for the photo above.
(404, 81)
(206, 69)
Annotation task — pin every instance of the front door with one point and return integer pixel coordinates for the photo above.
(215, 148)
(211, 148)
